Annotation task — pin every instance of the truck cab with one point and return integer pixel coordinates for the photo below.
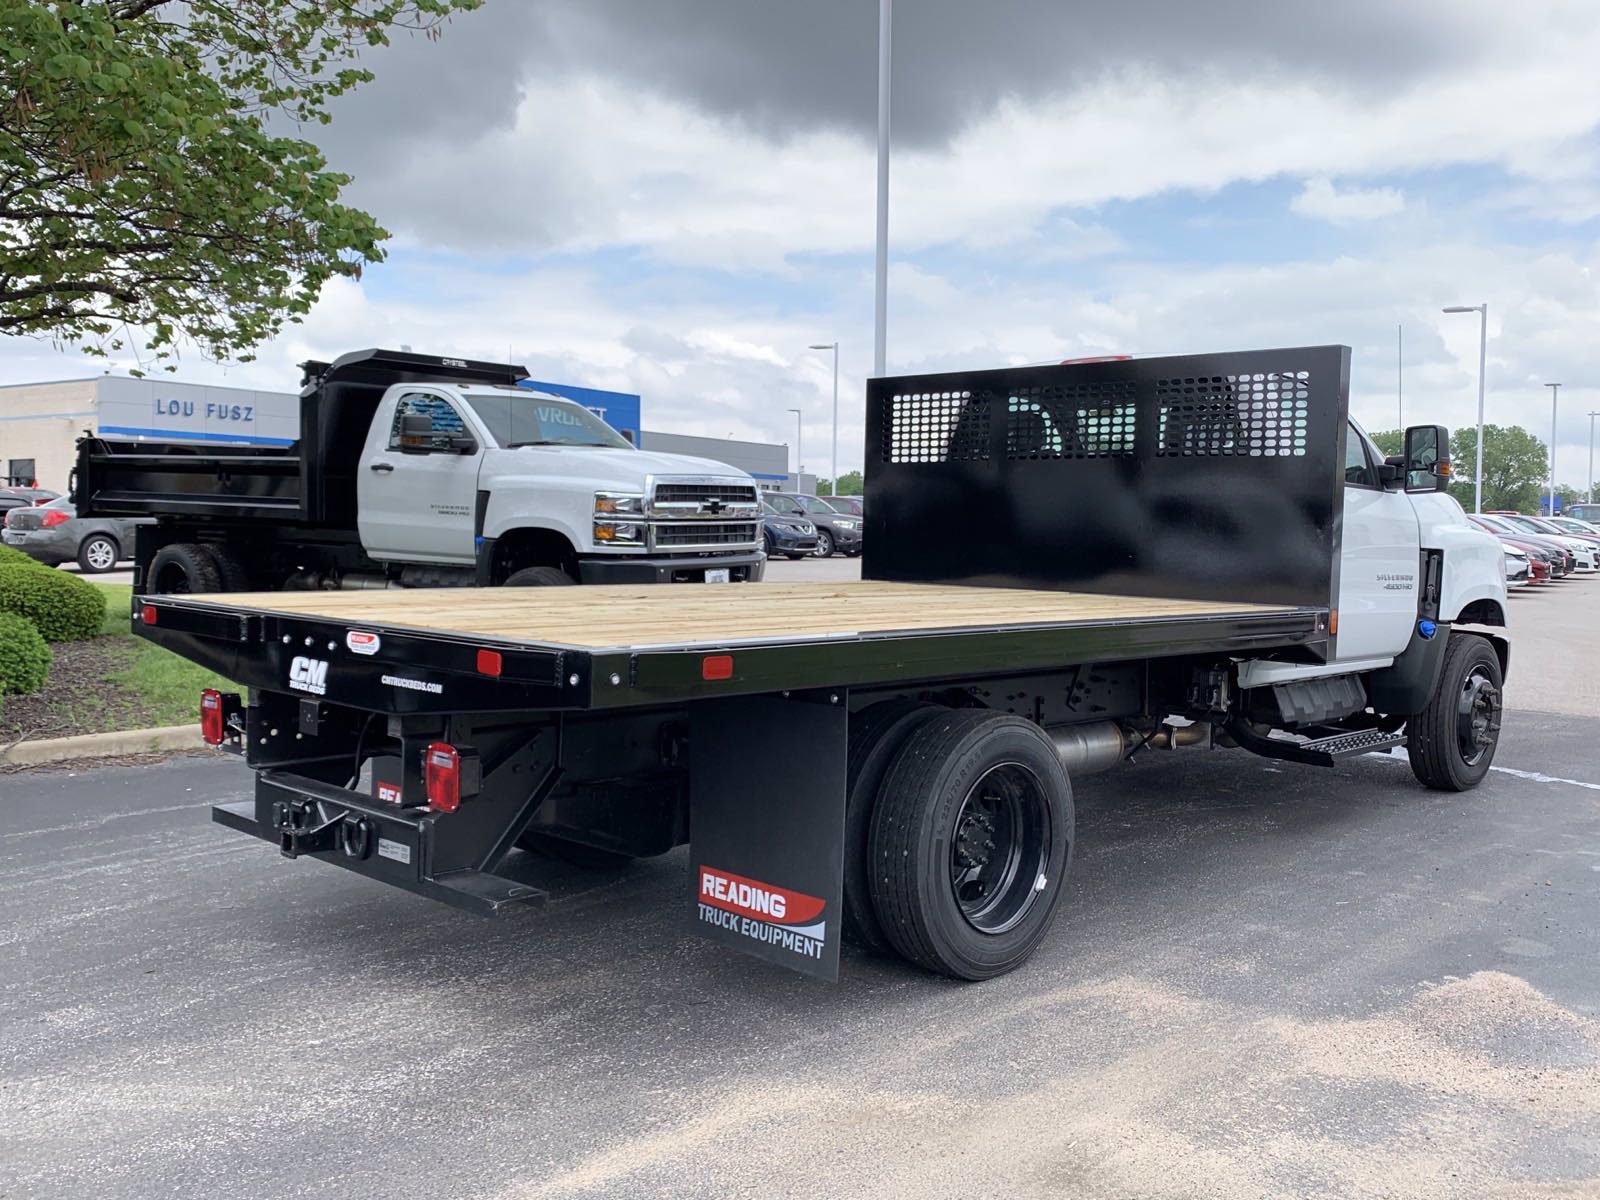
(1407, 551)
(454, 473)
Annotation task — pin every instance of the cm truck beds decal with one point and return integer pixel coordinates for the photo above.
(763, 912)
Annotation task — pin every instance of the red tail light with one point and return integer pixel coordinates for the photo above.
(54, 517)
(490, 663)
(441, 776)
(716, 666)
(213, 722)
(147, 614)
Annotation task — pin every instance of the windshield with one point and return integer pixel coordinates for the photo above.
(784, 506)
(532, 420)
(812, 504)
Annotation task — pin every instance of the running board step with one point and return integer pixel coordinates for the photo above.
(1324, 752)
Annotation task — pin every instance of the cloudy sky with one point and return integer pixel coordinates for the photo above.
(676, 196)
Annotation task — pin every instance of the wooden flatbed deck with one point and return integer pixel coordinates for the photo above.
(719, 615)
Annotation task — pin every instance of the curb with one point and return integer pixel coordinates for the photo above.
(102, 745)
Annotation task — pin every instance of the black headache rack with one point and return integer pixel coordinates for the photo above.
(1203, 477)
(311, 483)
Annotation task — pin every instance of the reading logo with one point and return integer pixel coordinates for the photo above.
(763, 912)
(309, 675)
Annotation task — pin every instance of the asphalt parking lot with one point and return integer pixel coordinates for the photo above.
(1266, 981)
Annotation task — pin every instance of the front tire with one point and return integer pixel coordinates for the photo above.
(540, 577)
(1451, 742)
(97, 554)
(970, 844)
(824, 544)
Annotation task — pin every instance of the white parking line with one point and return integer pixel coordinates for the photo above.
(1540, 777)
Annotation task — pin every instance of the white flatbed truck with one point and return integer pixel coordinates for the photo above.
(1067, 566)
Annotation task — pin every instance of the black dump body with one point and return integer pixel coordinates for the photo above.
(311, 484)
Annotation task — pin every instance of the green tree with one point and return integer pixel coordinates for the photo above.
(142, 195)
(1514, 465)
(1391, 441)
(850, 484)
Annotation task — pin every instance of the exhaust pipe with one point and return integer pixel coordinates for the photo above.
(1101, 745)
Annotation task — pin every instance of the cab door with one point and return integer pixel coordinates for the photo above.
(1379, 560)
(416, 502)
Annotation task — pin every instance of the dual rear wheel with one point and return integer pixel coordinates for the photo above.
(958, 837)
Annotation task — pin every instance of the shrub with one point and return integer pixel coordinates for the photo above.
(24, 657)
(62, 607)
(8, 556)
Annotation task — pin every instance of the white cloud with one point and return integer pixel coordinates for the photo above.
(1320, 199)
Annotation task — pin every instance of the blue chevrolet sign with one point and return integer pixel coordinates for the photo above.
(620, 410)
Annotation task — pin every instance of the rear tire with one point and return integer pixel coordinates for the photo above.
(1451, 742)
(98, 553)
(183, 568)
(876, 735)
(574, 854)
(234, 577)
(540, 577)
(971, 842)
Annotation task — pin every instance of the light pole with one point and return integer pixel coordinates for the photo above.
(880, 307)
(833, 462)
(1555, 391)
(1483, 356)
(799, 463)
(1400, 374)
(1592, 416)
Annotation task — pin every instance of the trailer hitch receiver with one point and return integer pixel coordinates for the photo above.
(302, 831)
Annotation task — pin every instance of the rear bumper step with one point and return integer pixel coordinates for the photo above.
(306, 818)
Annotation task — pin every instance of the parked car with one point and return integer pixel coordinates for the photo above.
(1584, 512)
(1560, 559)
(785, 533)
(53, 533)
(1573, 525)
(850, 506)
(836, 532)
(1587, 549)
(24, 497)
(1519, 569)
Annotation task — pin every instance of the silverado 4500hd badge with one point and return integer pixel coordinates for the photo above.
(763, 912)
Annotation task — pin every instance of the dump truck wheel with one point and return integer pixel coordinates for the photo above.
(181, 569)
(540, 577)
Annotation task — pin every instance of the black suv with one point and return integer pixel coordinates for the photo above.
(836, 532)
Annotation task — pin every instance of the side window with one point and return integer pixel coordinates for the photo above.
(1357, 470)
(446, 421)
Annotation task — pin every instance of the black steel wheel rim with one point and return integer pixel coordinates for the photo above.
(1477, 716)
(173, 581)
(1000, 848)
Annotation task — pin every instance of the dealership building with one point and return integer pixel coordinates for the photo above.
(40, 424)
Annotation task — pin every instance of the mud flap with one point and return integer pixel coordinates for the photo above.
(766, 823)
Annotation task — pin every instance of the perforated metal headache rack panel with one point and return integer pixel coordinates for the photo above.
(1212, 477)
